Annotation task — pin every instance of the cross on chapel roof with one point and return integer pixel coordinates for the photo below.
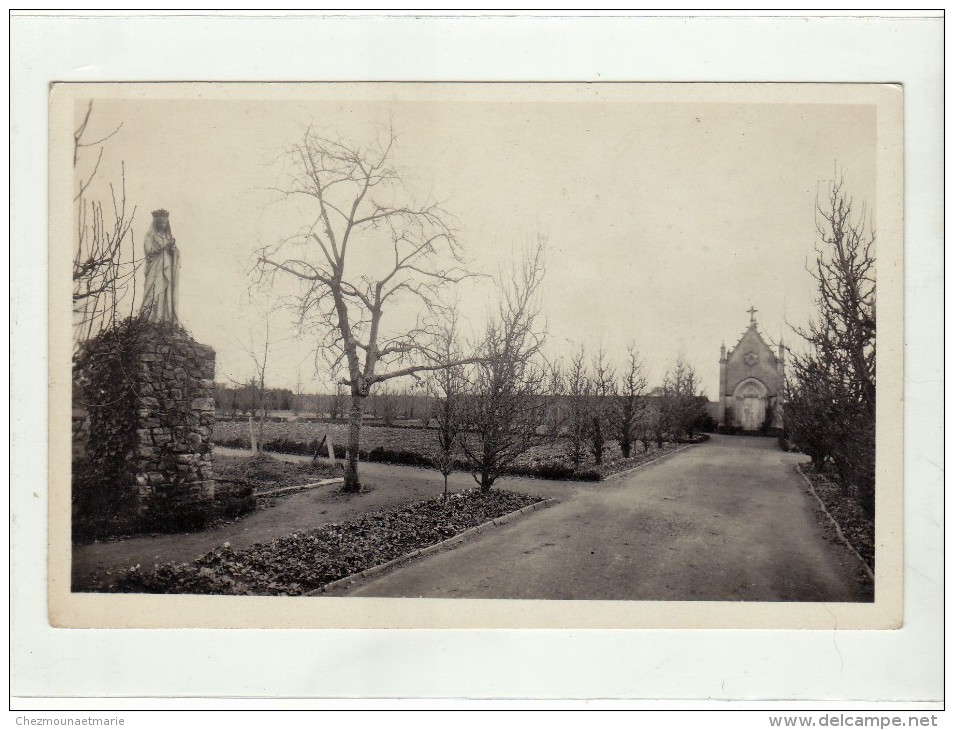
(752, 311)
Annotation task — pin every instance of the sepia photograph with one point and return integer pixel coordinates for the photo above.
(539, 342)
(398, 359)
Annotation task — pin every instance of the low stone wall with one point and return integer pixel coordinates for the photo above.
(147, 390)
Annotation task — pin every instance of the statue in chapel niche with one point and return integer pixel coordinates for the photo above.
(161, 293)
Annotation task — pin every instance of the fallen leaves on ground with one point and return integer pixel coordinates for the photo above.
(304, 561)
(844, 506)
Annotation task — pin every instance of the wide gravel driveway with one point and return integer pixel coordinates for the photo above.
(728, 520)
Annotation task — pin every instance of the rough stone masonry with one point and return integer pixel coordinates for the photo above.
(144, 395)
(171, 464)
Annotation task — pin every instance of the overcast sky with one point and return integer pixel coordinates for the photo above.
(665, 220)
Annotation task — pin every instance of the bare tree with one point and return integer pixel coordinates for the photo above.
(578, 395)
(387, 405)
(630, 401)
(650, 425)
(557, 408)
(226, 399)
(356, 198)
(297, 403)
(506, 407)
(681, 405)
(258, 352)
(844, 332)
(408, 404)
(830, 411)
(337, 403)
(811, 407)
(104, 262)
(599, 405)
(447, 387)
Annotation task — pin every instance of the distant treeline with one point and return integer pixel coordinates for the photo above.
(250, 400)
(387, 407)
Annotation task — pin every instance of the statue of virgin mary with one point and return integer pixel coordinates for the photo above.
(161, 294)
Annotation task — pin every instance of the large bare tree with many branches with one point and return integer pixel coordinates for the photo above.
(830, 405)
(367, 247)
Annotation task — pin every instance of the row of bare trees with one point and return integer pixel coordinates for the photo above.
(489, 414)
(600, 403)
(598, 406)
(829, 409)
(388, 406)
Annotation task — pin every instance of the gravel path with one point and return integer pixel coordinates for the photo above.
(727, 520)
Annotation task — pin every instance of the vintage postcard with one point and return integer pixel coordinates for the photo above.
(476, 355)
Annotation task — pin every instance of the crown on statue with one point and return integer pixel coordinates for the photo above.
(161, 213)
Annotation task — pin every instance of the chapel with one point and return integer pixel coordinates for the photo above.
(751, 378)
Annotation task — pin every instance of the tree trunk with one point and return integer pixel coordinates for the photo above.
(261, 429)
(351, 482)
(597, 442)
(627, 448)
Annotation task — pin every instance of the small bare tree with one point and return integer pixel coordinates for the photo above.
(578, 395)
(447, 387)
(337, 403)
(104, 261)
(298, 401)
(650, 425)
(811, 405)
(258, 352)
(408, 404)
(557, 408)
(506, 407)
(386, 405)
(356, 198)
(630, 401)
(599, 405)
(681, 404)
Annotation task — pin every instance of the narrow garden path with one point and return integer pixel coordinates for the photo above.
(97, 564)
(728, 520)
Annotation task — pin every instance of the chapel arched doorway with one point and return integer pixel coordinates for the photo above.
(750, 404)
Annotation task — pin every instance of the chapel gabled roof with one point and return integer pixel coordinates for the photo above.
(753, 338)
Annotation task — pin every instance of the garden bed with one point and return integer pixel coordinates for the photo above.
(542, 463)
(266, 473)
(304, 561)
(614, 462)
(843, 504)
(304, 437)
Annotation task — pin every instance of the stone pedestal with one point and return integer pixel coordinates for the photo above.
(148, 392)
(170, 465)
